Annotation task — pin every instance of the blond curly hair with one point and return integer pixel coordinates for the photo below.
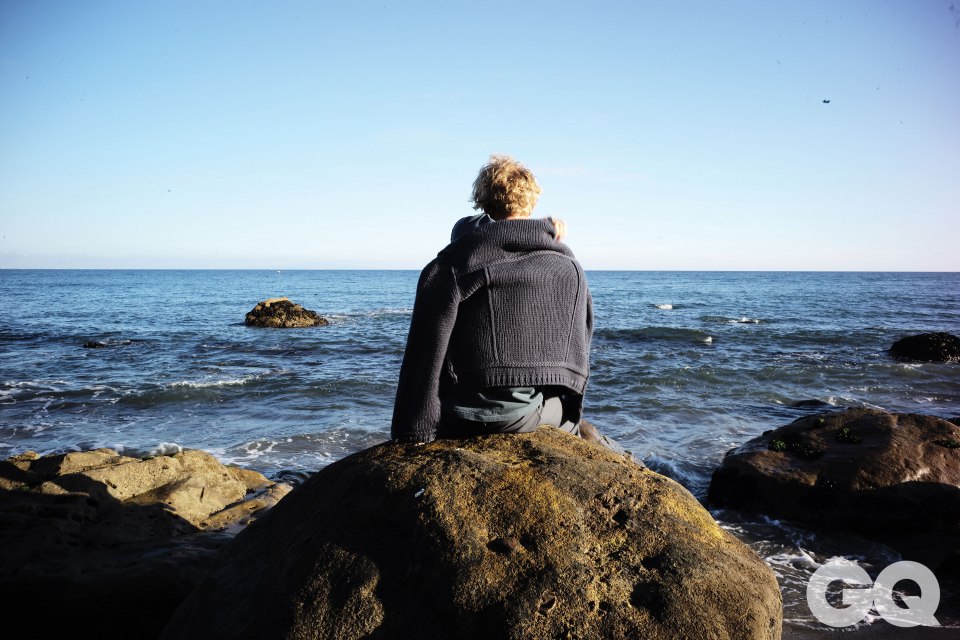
(505, 189)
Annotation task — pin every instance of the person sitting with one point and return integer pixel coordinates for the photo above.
(499, 341)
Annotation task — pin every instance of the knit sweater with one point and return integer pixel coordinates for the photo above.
(504, 305)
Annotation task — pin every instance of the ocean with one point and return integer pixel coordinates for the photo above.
(685, 366)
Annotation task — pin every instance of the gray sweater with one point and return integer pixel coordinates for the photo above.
(505, 305)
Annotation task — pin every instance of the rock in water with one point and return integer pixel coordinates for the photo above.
(282, 313)
(927, 347)
(538, 535)
(93, 535)
(860, 469)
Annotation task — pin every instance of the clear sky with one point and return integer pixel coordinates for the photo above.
(668, 135)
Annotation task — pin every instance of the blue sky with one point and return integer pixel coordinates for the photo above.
(312, 135)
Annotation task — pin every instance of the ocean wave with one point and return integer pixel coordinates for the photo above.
(13, 391)
(191, 390)
(675, 470)
(728, 320)
(300, 452)
(48, 385)
(665, 306)
(108, 343)
(654, 334)
(206, 384)
(369, 313)
(161, 449)
(807, 403)
(18, 336)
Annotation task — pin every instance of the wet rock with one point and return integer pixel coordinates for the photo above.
(950, 567)
(95, 533)
(94, 344)
(811, 403)
(282, 313)
(538, 535)
(927, 347)
(948, 576)
(860, 469)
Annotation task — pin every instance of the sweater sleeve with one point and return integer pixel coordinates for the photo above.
(416, 411)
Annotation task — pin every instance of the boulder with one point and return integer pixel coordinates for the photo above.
(538, 535)
(949, 569)
(860, 469)
(927, 347)
(948, 576)
(282, 313)
(94, 535)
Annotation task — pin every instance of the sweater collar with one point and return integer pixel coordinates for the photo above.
(501, 239)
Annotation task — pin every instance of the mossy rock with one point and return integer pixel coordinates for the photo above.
(281, 313)
(539, 535)
(871, 471)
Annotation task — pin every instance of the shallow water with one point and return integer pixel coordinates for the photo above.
(685, 366)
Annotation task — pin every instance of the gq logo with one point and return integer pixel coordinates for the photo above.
(858, 602)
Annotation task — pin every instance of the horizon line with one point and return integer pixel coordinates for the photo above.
(691, 270)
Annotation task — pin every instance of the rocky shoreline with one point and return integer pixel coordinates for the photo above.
(100, 544)
(892, 478)
(399, 537)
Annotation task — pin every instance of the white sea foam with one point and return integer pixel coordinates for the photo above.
(664, 306)
(226, 382)
(800, 559)
(203, 384)
(42, 385)
(165, 449)
(708, 340)
(161, 449)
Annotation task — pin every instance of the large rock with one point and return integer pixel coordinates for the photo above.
(859, 469)
(282, 313)
(927, 347)
(94, 536)
(538, 535)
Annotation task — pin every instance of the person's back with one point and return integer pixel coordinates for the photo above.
(500, 337)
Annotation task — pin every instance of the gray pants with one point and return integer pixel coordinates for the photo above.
(550, 413)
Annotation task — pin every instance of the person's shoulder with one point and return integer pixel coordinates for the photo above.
(465, 225)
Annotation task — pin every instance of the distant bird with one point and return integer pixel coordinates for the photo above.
(826, 102)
